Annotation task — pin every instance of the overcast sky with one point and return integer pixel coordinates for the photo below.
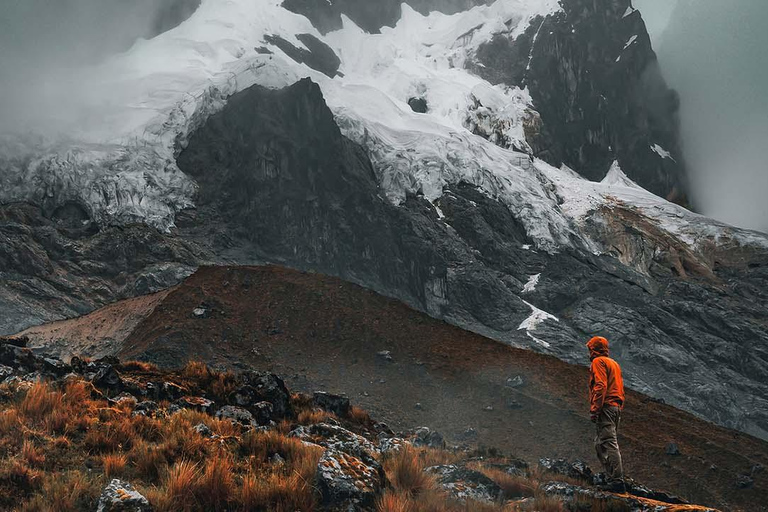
(715, 53)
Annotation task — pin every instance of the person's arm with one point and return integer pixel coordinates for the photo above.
(599, 387)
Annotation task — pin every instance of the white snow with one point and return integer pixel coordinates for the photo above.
(629, 11)
(531, 284)
(118, 156)
(537, 318)
(663, 153)
(627, 45)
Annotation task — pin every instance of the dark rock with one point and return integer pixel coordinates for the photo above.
(120, 496)
(370, 15)
(744, 481)
(236, 415)
(346, 482)
(5, 371)
(466, 484)
(468, 435)
(672, 449)
(263, 387)
(423, 436)
(16, 341)
(337, 404)
(418, 105)
(577, 469)
(318, 55)
(54, 366)
(385, 355)
(107, 377)
(172, 391)
(515, 382)
(146, 408)
(643, 491)
(197, 403)
(203, 430)
(589, 66)
(338, 438)
(263, 412)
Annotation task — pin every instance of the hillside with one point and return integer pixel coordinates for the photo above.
(322, 333)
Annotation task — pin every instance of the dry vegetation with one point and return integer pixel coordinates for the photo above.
(61, 443)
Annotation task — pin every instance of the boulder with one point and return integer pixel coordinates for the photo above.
(347, 483)
(203, 430)
(578, 469)
(120, 496)
(466, 484)
(263, 412)
(424, 437)
(105, 376)
(337, 404)
(418, 105)
(263, 387)
(146, 408)
(236, 415)
(196, 403)
(338, 439)
(172, 391)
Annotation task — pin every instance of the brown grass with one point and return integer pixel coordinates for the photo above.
(114, 464)
(405, 469)
(216, 486)
(180, 486)
(196, 371)
(314, 416)
(39, 402)
(139, 366)
(513, 486)
(32, 454)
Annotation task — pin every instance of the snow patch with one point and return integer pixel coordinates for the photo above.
(663, 153)
(531, 284)
(537, 318)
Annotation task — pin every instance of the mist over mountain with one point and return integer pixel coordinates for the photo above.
(713, 53)
(47, 50)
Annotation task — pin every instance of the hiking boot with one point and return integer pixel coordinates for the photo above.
(616, 486)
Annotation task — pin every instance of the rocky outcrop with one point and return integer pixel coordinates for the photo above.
(370, 15)
(597, 86)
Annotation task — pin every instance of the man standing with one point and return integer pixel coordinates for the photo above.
(606, 396)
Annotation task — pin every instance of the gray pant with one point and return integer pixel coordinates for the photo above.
(607, 444)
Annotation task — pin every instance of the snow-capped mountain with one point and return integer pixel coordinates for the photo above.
(498, 165)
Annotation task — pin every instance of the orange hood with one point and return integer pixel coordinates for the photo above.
(598, 346)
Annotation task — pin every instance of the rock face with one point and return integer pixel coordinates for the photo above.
(345, 482)
(278, 179)
(62, 264)
(596, 83)
(370, 15)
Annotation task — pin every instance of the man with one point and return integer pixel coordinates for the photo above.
(606, 396)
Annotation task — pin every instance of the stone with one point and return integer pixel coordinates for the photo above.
(385, 355)
(172, 391)
(672, 449)
(263, 412)
(106, 376)
(54, 366)
(515, 382)
(392, 444)
(346, 482)
(120, 496)
(578, 469)
(203, 430)
(336, 404)
(339, 439)
(5, 371)
(744, 481)
(146, 408)
(263, 387)
(197, 403)
(466, 484)
(236, 415)
(424, 437)
(418, 105)
(16, 341)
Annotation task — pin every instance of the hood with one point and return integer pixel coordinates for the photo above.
(598, 346)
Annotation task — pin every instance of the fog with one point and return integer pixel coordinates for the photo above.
(49, 47)
(714, 53)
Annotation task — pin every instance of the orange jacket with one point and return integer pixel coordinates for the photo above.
(606, 387)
